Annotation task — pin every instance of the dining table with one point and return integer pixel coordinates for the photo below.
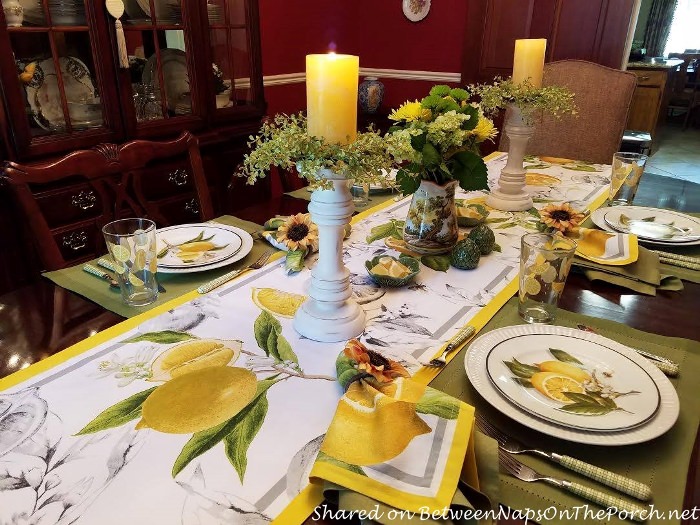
(43, 319)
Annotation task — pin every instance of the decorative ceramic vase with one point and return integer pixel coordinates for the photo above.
(431, 224)
(370, 94)
(14, 13)
(330, 314)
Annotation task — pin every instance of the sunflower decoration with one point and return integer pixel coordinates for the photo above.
(561, 217)
(299, 233)
(359, 363)
(410, 111)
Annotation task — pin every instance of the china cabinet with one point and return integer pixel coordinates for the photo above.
(192, 65)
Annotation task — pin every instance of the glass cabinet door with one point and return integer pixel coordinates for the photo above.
(53, 51)
(232, 64)
(159, 62)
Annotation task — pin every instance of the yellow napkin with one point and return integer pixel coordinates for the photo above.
(614, 249)
(393, 439)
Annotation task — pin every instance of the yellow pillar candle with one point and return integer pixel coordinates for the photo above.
(331, 96)
(529, 61)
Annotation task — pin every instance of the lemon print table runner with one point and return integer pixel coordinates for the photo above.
(211, 409)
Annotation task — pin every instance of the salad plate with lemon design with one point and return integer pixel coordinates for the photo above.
(198, 247)
(653, 226)
(572, 384)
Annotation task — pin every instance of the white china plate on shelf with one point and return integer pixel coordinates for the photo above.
(230, 240)
(603, 217)
(44, 97)
(245, 248)
(175, 75)
(416, 10)
(582, 362)
(476, 365)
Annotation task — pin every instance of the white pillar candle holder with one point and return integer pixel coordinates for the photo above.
(510, 195)
(330, 314)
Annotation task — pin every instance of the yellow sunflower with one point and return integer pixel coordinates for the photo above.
(484, 130)
(561, 217)
(410, 111)
(299, 233)
(381, 368)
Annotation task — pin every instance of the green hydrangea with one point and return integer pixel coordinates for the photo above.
(440, 91)
(459, 94)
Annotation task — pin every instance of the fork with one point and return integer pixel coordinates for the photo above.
(259, 263)
(513, 446)
(460, 337)
(517, 469)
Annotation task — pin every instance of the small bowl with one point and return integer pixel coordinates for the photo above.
(394, 282)
(84, 112)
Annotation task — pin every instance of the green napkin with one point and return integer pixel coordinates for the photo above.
(661, 463)
(98, 291)
(643, 276)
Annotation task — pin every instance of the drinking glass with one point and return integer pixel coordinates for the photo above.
(627, 169)
(360, 195)
(132, 245)
(545, 260)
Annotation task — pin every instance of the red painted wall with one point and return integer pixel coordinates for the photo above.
(375, 30)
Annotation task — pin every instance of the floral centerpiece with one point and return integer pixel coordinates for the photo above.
(436, 142)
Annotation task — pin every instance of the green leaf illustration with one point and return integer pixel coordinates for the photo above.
(523, 382)
(563, 356)
(200, 442)
(284, 350)
(536, 166)
(439, 263)
(438, 404)
(521, 369)
(392, 228)
(165, 337)
(294, 261)
(587, 409)
(505, 225)
(580, 167)
(237, 443)
(322, 456)
(534, 212)
(264, 324)
(497, 219)
(118, 414)
(215, 248)
(581, 398)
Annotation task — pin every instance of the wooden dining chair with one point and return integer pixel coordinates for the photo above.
(66, 202)
(685, 93)
(602, 96)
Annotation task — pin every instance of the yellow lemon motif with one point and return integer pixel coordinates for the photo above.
(557, 160)
(120, 253)
(364, 414)
(593, 242)
(554, 385)
(198, 400)
(135, 280)
(541, 179)
(191, 356)
(566, 369)
(277, 301)
(403, 390)
(199, 246)
(389, 267)
(139, 260)
(532, 286)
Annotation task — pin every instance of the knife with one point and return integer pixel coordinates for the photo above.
(107, 264)
(94, 270)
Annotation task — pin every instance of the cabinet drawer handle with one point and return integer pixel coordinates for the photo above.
(644, 79)
(178, 177)
(84, 200)
(75, 240)
(192, 206)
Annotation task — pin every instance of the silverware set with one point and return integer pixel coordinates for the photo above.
(460, 337)
(259, 263)
(509, 446)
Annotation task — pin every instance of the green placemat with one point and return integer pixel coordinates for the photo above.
(98, 291)
(374, 198)
(662, 463)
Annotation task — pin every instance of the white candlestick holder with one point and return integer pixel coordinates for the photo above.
(330, 314)
(510, 195)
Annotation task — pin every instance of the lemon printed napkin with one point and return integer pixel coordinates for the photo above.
(393, 439)
(615, 249)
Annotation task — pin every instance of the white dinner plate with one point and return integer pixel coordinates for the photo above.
(227, 244)
(476, 365)
(175, 77)
(642, 212)
(592, 373)
(245, 248)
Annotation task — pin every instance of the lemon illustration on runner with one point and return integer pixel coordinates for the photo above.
(554, 385)
(541, 179)
(557, 160)
(361, 416)
(194, 355)
(198, 400)
(277, 301)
